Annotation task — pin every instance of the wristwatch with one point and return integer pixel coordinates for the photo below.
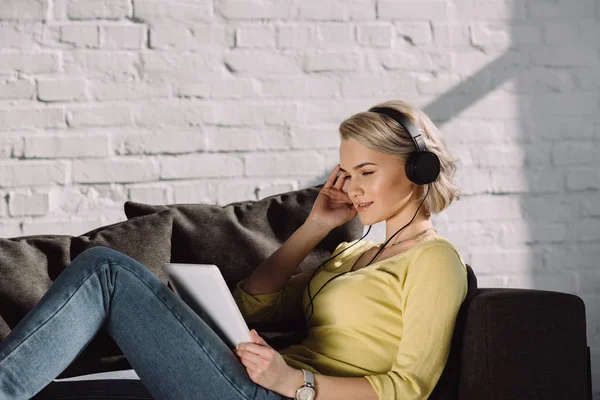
(306, 391)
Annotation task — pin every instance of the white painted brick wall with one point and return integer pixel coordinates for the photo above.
(160, 101)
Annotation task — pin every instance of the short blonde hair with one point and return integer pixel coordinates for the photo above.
(378, 132)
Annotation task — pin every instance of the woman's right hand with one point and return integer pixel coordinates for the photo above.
(332, 207)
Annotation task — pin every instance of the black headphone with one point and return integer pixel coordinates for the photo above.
(422, 168)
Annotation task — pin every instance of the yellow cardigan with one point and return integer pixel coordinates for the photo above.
(391, 322)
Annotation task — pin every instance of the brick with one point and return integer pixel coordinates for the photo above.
(541, 80)
(176, 141)
(156, 11)
(98, 9)
(586, 78)
(300, 87)
(514, 180)
(566, 57)
(255, 36)
(583, 178)
(452, 34)
(473, 130)
(546, 10)
(333, 61)
(66, 146)
(247, 9)
(256, 114)
(513, 10)
(17, 89)
(20, 35)
(32, 173)
(198, 192)
(69, 89)
(56, 226)
(274, 188)
(575, 153)
(80, 35)
(261, 64)
(11, 146)
(591, 205)
(494, 34)
(244, 139)
(510, 261)
(560, 128)
(587, 230)
(335, 35)
(10, 229)
(22, 10)
(150, 194)
(437, 84)
(201, 166)
(414, 32)
(412, 10)
(123, 36)
(359, 86)
(178, 67)
(99, 115)
(190, 37)
(485, 207)
(319, 111)
(473, 181)
(315, 137)
(105, 65)
(231, 192)
(221, 88)
(296, 36)
(560, 32)
(561, 257)
(28, 204)
(336, 10)
(114, 170)
(375, 35)
(47, 117)
(107, 91)
(32, 63)
(565, 282)
(173, 114)
(283, 164)
(549, 208)
(418, 60)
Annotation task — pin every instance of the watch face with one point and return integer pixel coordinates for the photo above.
(305, 393)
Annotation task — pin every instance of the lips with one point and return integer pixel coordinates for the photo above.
(363, 206)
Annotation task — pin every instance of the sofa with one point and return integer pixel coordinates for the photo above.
(507, 344)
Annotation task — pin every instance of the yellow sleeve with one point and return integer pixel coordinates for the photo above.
(283, 305)
(434, 288)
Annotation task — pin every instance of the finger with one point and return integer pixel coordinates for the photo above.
(248, 363)
(340, 181)
(263, 351)
(332, 177)
(252, 358)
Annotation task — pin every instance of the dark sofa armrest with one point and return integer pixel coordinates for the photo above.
(524, 344)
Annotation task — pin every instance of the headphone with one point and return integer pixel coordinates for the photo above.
(422, 168)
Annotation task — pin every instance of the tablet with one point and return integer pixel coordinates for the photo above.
(203, 288)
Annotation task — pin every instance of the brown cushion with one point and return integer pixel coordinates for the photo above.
(30, 264)
(238, 236)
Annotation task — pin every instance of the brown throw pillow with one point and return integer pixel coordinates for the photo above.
(30, 264)
(238, 236)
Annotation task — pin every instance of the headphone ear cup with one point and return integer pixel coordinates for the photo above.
(422, 167)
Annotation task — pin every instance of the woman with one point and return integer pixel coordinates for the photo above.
(380, 316)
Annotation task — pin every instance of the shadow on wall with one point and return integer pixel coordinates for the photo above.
(532, 170)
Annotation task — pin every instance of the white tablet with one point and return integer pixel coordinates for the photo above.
(203, 288)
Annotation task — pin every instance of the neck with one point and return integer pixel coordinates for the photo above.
(419, 224)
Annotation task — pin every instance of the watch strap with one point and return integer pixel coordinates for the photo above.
(309, 379)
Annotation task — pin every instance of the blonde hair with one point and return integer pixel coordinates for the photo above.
(379, 132)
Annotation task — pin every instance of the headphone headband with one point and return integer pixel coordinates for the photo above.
(406, 123)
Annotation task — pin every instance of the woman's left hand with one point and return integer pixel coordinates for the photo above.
(266, 366)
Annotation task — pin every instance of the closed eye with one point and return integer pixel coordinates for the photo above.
(364, 173)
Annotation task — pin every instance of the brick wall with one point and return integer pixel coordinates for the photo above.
(218, 101)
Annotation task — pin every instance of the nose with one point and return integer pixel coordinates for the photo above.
(354, 189)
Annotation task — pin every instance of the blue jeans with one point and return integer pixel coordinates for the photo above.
(174, 352)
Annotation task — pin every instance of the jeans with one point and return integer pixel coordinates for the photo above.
(174, 352)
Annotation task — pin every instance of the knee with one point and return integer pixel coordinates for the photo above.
(99, 254)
